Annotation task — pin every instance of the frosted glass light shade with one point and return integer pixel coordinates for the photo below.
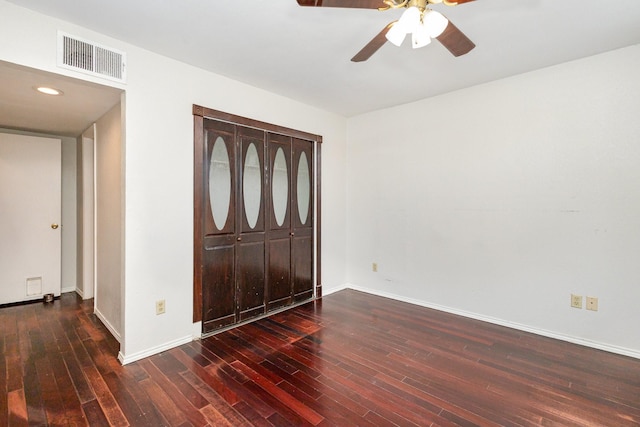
(435, 22)
(420, 37)
(410, 20)
(395, 34)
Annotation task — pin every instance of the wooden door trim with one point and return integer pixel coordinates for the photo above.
(198, 181)
(251, 123)
(199, 114)
(318, 225)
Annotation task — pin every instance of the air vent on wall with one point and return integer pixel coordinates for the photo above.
(77, 54)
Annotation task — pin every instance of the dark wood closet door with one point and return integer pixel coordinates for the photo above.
(219, 226)
(254, 222)
(302, 219)
(279, 288)
(250, 266)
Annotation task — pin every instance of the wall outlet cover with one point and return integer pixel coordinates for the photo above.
(160, 306)
(576, 301)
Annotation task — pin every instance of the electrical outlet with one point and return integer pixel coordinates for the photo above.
(374, 267)
(576, 301)
(160, 306)
(592, 303)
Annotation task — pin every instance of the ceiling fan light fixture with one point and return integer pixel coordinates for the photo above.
(396, 34)
(415, 17)
(420, 37)
(435, 22)
(410, 19)
(422, 25)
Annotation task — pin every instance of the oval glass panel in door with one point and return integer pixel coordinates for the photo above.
(252, 185)
(219, 183)
(280, 187)
(303, 188)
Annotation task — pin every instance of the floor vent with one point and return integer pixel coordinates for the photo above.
(34, 286)
(82, 55)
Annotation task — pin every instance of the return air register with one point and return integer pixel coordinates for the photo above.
(88, 57)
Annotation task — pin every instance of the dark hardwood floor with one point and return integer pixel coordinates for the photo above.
(350, 359)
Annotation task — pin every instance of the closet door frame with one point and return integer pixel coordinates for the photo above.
(200, 114)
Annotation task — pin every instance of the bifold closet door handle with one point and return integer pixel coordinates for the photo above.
(54, 226)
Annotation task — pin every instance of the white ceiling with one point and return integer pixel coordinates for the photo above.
(304, 53)
(22, 107)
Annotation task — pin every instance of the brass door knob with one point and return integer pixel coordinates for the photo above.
(54, 226)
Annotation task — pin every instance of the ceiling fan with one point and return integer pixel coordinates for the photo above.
(418, 20)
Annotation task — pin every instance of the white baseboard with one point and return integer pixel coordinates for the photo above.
(82, 294)
(549, 334)
(67, 289)
(155, 350)
(108, 325)
(329, 291)
(125, 359)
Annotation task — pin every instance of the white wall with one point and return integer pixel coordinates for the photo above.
(108, 224)
(501, 200)
(158, 162)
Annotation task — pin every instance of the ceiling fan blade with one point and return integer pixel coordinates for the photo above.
(455, 40)
(356, 4)
(373, 46)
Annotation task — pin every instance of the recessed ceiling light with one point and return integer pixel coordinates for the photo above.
(49, 90)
